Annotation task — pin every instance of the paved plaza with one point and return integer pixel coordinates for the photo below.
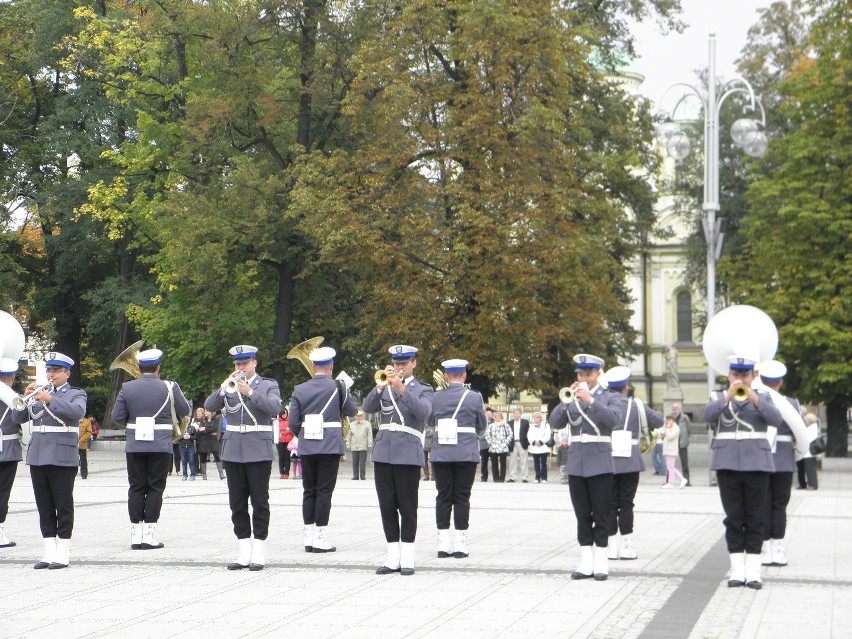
(516, 582)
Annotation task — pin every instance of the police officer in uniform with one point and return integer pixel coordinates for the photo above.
(634, 419)
(458, 415)
(52, 456)
(145, 405)
(251, 404)
(772, 374)
(10, 448)
(742, 459)
(315, 418)
(404, 404)
(591, 415)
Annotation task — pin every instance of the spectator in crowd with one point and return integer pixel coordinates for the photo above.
(562, 438)
(657, 458)
(484, 448)
(806, 466)
(684, 425)
(428, 434)
(284, 438)
(540, 438)
(359, 442)
(96, 430)
(670, 452)
(499, 437)
(208, 442)
(83, 445)
(295, 460)
(187, 452)
(518, 468)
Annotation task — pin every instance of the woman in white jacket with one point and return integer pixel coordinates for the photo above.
(540, 443)
(671, 452)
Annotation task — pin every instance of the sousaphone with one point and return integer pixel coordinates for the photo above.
(301, 352)
(12, 342)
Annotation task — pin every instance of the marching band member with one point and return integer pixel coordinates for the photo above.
(591, 416)
(458, 414)
(10, 449)
(316, 411)
(52, 456)
(635, 418)
(742, 459)
(145, 405)
(404, 404)
(251, 404)
(781, 481)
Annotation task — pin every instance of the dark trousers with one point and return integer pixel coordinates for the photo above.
(483, 458)
(249, 481)
(176, 452)
(540, 465)
(146, 474)
(188, 457)
(7, 478)
(591, 497)
(205, 456)
(359, 464)
(396, 487)
(498, 466)
(684, 462)
(283, 458)
(744, 500)
(621, 510)
(53, 487)
(775, 522)
(454, 481)
(84, 463)
(319, 476)
(807, 472)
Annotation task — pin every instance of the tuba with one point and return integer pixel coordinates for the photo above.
(301, 351)
(127, 361)
(12, 342)
(438, 379)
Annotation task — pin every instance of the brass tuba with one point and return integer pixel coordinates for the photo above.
(438, 379)
(127, 361)
(300, 352)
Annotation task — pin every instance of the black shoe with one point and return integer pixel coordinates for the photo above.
(321, 550)
(150, 547)
(525, 481)
(484, 479)
(735, 583)
(56, 566)
(236, 566)
(580, 575)
(41, 565)
(511, 481)
(384, 570)
(309, 548)
(135, 546)
(601, 576)
(460, 555)
(354, 478)
(754, 585)
(443, 554)
(9, 545)
(406, 572)
(255, 567)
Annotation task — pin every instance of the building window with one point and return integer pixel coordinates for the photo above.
(684, 317)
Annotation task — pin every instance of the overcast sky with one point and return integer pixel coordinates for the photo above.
(665, 59)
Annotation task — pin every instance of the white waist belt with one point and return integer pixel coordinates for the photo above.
(331, 425)
(741, 434)
(132, 426)
(247, 428)
(404, 429)
(8, 437)
(589, 439)
(466, 429)
(784, 438)
(55, 429)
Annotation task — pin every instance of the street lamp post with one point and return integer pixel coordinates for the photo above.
(745, 133)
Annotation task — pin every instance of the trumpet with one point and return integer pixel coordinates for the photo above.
(566, 394)
(382, 378)
(231, 384)
(20, 403)
(741, 392)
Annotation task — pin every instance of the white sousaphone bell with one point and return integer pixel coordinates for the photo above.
(12, 345)
(749, 332)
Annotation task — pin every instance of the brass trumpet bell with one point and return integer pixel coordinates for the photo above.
(741, 392)
(566, 394)
(381, 377)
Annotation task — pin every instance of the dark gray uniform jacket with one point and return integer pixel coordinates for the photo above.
(260, 409)
(398, 447)
(12, 446)
(471, 414)
(65, 411)
(309, 398)
(590, 458)
(148, 397)
(752, 452)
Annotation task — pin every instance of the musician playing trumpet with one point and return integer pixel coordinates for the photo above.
(591, 416)
(742, 458)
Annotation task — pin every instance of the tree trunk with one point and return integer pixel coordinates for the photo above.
(838, 429)
(283, 320)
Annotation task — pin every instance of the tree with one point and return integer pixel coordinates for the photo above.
(794, 263)
(488, 201)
